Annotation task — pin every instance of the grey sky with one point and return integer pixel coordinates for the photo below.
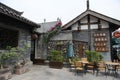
(66, 10)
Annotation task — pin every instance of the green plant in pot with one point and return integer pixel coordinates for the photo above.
(9, 57)
(56, 59)
(93, 57)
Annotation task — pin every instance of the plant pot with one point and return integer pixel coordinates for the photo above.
(57, 65)
(39, 61)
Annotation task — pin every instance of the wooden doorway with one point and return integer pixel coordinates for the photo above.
(81, 50)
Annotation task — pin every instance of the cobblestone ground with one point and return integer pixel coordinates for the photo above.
(40, 72)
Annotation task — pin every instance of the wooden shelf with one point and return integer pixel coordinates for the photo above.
(100, 42)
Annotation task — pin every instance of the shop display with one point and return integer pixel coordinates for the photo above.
(100, 42)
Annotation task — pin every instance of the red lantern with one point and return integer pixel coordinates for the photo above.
(116, 34)
(34, 36)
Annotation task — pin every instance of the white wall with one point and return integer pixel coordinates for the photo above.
(84, 20)
(63, 36)
(75, 26)
(92, 26)
(104, 24)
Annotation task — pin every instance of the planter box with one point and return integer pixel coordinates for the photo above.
(57, 65)
(39, 61)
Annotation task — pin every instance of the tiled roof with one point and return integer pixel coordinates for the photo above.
(15, 14)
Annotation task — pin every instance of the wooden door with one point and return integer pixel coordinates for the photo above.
(81, 49)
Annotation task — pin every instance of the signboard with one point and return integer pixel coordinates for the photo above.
(116, 34)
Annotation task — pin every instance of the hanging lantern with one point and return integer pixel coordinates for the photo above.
(116, 34)
(34, 36)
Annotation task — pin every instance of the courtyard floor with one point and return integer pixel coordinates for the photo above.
(43, 72)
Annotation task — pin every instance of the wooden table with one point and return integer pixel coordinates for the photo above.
(112, 63)
(85, 62)
(111, 66)
(85, 65)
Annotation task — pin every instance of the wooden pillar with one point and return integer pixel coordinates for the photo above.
(89, 33)
(79, 25)
(99, 25)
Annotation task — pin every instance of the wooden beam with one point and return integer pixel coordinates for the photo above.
(79, 25)
(89, 23)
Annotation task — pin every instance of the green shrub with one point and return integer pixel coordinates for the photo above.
(56, 56)
(93, 56)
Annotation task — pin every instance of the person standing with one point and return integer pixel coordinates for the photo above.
(115, 56)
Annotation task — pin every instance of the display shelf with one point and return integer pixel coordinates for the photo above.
(100, 42)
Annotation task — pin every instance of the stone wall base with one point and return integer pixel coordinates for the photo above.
(5, 74)
(24, 68)
(21, 70)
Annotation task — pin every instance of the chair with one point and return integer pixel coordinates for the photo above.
(101, 67)
(90, 66)
(78, 66)
(71, 64)
(111, 68)
(84, 62)
(118, 67)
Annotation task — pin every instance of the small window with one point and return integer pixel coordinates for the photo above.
(84, 27)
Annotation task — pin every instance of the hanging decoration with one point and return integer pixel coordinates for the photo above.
(34, 36)
(116, 34)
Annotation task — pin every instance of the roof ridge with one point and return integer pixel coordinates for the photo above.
(10, 9)
(89, 11)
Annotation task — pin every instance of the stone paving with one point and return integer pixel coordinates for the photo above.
(41, 72)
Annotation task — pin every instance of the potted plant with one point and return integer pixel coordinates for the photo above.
(56, 59)
(8, 58)
(93, 57)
